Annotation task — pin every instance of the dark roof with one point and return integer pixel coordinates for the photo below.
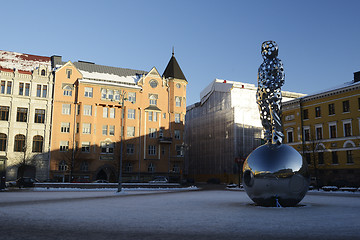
(153, 108)
(173, 69)
(92, 67)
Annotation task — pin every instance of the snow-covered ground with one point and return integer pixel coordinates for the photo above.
(217, 214)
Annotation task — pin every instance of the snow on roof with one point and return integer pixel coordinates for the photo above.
(21, 61)
(113, 83)
(111, 77)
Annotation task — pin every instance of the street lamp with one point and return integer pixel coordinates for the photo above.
(123, 99)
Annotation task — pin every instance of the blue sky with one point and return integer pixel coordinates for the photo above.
(319, 41)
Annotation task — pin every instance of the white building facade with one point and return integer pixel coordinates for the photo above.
(25, 114)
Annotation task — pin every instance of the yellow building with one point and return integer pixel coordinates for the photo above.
(324, 128)
(87, 121)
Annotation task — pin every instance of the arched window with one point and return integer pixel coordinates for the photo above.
(37, 143)
(3, 139)
(67, 90)
(151, 168)
(19, 145)
(43, 72)
(63, 166)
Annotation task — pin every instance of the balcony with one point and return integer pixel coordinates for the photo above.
(165, 140)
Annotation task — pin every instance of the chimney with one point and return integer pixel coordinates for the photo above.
(356, 77)
(55, 60)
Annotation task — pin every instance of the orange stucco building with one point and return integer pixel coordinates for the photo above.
(86, 124)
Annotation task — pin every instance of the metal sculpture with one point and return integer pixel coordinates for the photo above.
(275, 174)
(271, 78)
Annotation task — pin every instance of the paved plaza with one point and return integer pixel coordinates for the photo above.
(207, 214)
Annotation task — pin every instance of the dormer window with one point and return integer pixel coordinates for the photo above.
(68, 73)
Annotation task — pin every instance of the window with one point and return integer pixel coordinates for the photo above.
(68, 73)
(38, 90)
(43, 73)
(177, 134)
(152, 132)
(130, 149)
(64, 146)
(349, 157)
(88, 92)
(65, 127)
(306, 133)
(21, 89)
(331, 109)
(131, 113)
(130, 131)
(176, 168)
(153, 99)
(332, 130)
(308, 158)
(153, 83)
(67, 90)
(155, 116)
(132, 97)
(66, 109)
(104, 130)
(317, 112)
(21, 115)
(37, 143)
(178, 85)
(103, 93)
(86, 128)
(335, 159)
(107, 147)
(306, 113)
(2, 89)
(318, 130)
(150, 116)
(179, 152)
(63, 166)
(112, 130)
(39, 115)
(117, 95)
(4, 113)
(85, 147)
(78, 107)
(112, 112)
(347, 128)
(151, 168)
(27, 89)
(44, 91)
(290, 137)
(346, 106)
(128, 167)
(178, 101)
(110, 94)
(77, 127)
(320, 157)
(84, 167)
(3, 140)
(105, 112)
(177, 117)
(8, 88)
(19, 143)
(161, 133)
(87, 110)
(152, 150)
(164, 116)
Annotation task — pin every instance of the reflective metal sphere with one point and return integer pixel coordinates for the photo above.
(275, 173)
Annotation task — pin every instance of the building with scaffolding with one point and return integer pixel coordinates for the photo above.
(222, 129)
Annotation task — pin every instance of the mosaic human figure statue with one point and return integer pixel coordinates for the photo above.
(271, 77)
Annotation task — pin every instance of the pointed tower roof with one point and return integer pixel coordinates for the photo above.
(173, 69)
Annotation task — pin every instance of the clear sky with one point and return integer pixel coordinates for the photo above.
(319, 41)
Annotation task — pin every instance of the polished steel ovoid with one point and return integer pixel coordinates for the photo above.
(271, 77)
(275, 174)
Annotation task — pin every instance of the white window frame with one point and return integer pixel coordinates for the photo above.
(130, 131)
(88, 92)
(85, 147)
(65, 127)
(290, 130)
(87, 110)
(177, 134)
(131, 113)
(112, 112)
(104, 129)
(344, 122)
(177, 118)
(319, 126)
(66, 109)
(105, 112)
(112, 130)
(330, 125)
(86, 128)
